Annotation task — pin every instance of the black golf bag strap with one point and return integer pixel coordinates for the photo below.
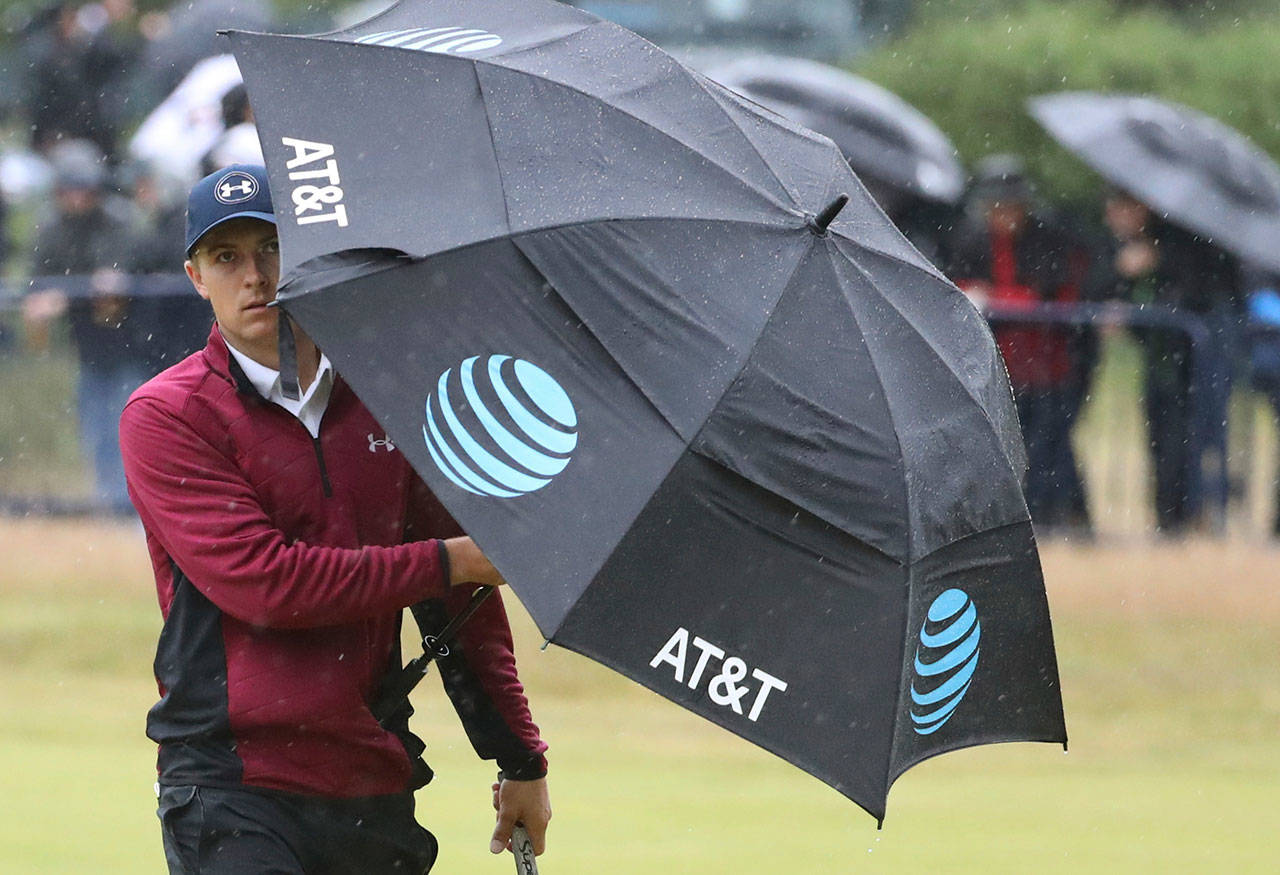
(435, 644)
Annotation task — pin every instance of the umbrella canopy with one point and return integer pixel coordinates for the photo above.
(1193, 169)
(178, 133)
(882, 136)
(757, 456)
(191, 37)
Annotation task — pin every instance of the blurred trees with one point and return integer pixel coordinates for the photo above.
(970, 65)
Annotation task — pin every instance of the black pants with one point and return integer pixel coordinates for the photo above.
(1168, 403)
(213, 831)
(1054, 490)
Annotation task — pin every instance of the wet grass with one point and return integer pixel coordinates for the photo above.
(1171, 688)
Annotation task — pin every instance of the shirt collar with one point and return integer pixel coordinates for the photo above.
(267, 380)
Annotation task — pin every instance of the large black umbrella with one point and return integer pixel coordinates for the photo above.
(759, 457)
(883, 137)
(1194, 170)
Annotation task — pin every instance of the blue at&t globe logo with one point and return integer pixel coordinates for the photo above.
(502, 427)
(946, 659)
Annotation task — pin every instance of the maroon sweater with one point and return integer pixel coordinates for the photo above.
(282, 563)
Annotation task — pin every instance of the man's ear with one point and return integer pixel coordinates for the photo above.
(193, 274)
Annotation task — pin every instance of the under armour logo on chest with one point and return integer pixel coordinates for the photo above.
(384, 441)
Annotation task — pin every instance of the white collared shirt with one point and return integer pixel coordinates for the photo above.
(309, 409)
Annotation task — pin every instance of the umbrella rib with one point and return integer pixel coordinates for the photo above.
(729, 384)
(746, 360)
(493, 145)
(836, 230)
(515, 239)
(477, 62)
(976, 400)
(875, 367)
(700, 80)
(890, 257)
(909, 563)
(687, 445)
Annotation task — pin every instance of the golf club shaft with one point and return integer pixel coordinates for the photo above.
(522, 848)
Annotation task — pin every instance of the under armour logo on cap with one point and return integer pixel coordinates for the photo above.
(235, 188)
(238, 191)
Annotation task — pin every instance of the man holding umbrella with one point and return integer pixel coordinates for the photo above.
(1149, 261)
(1192, 196)
(286, 535)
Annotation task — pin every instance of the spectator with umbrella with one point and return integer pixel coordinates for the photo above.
(1010, 254)
(907, 163)
(116, 44)
(1149, 261)
(1191, 197)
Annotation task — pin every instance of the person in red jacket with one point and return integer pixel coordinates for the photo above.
(286, 537)
(1013, 257)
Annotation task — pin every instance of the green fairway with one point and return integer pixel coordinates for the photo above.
(1170, 681)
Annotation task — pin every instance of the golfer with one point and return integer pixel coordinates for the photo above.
(286, 536)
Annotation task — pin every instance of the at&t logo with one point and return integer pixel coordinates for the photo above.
(442, 40)
(945, 660)
(501, 427)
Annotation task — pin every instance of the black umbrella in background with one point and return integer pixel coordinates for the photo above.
(192, 37)
(883, 137)
(716, 422)
(1194, 170)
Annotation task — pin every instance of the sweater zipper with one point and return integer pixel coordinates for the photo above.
(324, 472)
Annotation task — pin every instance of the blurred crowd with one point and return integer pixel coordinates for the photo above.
(124, 111)
(121, 112)
(1009, 251)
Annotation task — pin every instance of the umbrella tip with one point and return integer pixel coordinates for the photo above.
(818, 224)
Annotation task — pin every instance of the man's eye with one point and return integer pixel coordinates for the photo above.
(226, 256)
(271, 247)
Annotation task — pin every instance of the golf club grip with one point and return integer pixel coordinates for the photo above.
(522, 848)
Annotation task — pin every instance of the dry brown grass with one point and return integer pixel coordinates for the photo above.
(1195, 578)
(81, 555)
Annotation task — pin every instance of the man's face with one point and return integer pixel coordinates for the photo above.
(76, 200)
(236, 267)
(1127, 218)
(1006, 216)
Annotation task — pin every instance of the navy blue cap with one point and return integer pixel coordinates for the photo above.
(233, 192)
